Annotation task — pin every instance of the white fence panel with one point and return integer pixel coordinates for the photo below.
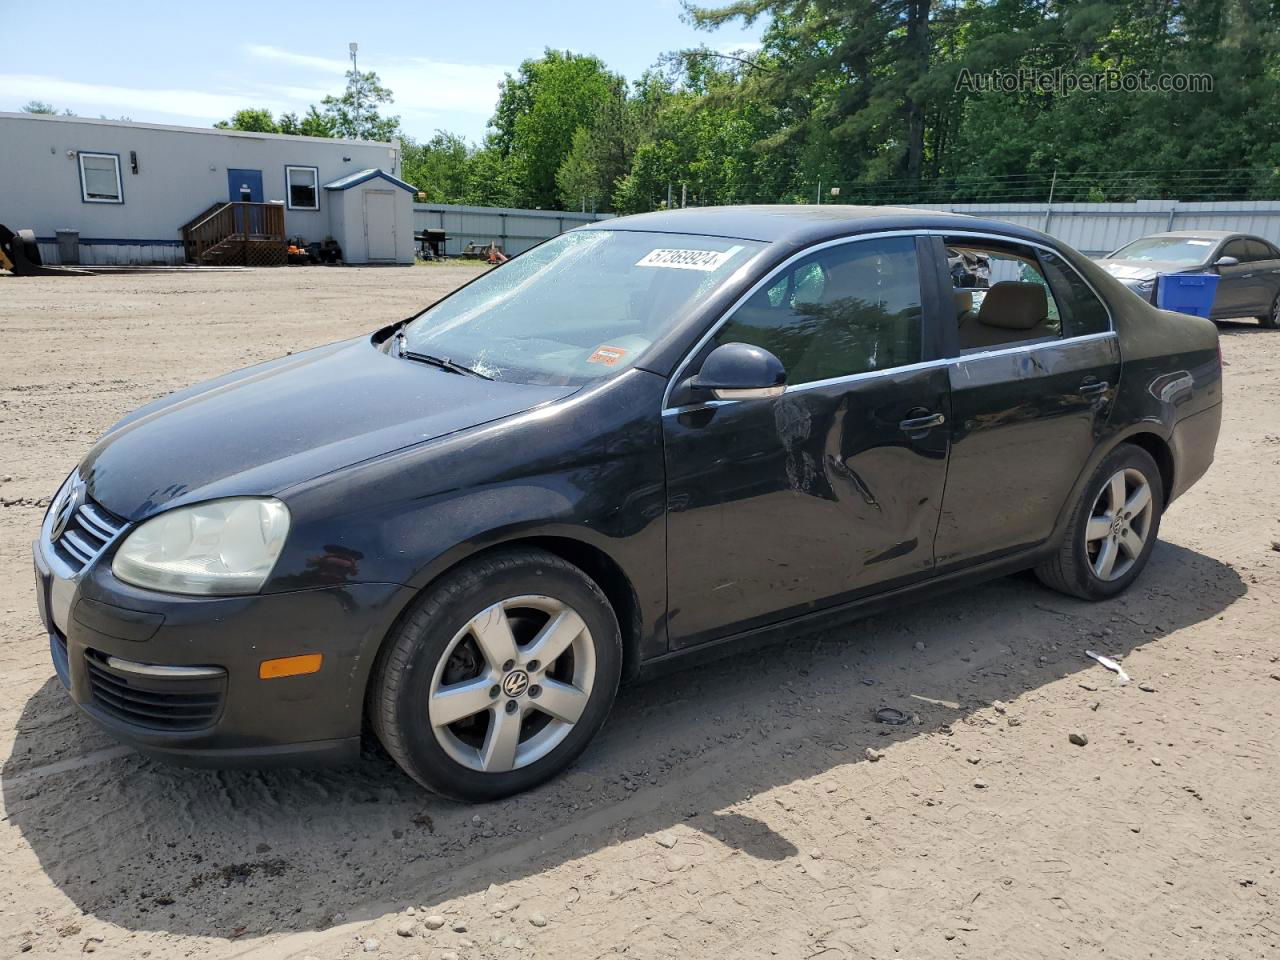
(1098, 228)
(515, 231)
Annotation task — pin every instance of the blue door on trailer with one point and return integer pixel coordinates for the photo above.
(244, 186)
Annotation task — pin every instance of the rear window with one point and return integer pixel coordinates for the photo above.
(1082, 312)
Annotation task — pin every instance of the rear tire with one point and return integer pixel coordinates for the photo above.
(498, 676)
(1112, 530)
(1271, 320)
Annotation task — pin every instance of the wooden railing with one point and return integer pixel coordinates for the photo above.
(232, 221)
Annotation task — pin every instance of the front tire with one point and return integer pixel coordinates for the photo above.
(1113, 529)
(498, 677)
(1271, 319)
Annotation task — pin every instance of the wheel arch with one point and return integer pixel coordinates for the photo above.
(604, 570)
(1160, 452)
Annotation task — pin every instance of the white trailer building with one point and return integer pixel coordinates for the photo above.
(123, 192)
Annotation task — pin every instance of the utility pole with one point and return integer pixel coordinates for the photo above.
(1048, 210)
(819, 200)
(353, 47)
(684, 195)
(669, 195)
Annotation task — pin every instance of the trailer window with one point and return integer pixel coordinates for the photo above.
(100, 178)
(301, 188)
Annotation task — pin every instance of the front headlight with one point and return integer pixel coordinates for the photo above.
(217, 548)
(1142, 288)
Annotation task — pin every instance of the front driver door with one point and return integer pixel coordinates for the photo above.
(781, 506)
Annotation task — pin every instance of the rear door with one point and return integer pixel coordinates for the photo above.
(781, 506)
(1264, 278)
(1035, 367)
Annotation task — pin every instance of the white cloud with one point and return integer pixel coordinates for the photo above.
(267, 52)
(421, 85)
(113, 99)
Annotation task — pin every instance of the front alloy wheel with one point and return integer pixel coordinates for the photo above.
(512, 684)
(498, 676)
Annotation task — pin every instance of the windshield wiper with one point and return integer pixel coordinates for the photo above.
(444, 363)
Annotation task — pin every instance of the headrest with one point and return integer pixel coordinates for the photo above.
(1011, 305)
(964, 301)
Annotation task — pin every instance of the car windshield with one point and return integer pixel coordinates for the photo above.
(577, 308)
(1169, 249)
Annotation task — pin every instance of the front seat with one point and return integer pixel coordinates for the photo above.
(1011, 311)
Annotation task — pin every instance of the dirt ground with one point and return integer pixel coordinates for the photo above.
(727, 812)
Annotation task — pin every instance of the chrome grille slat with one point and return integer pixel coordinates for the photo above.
(78, 545)
(93, 519)
(89, 530)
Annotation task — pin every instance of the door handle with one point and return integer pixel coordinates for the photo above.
(1094, 387)
(920, 425)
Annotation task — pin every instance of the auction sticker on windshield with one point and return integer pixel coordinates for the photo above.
(706, 260)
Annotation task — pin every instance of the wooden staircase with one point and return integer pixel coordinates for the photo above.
(237, 234)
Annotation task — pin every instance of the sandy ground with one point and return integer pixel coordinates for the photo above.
(728, 812)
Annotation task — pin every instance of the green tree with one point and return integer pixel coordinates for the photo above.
(39, 106)
(253, 120)
(539, 110)
(355, 115)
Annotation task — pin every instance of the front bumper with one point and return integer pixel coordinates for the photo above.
(177, 677)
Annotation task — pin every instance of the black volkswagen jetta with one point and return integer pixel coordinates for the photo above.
(661, 436)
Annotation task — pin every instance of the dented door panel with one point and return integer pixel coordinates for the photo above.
(783, 506)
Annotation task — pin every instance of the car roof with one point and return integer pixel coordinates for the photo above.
(1205, 234)
(803, 224)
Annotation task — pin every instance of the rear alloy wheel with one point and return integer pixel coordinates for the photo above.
(498, 677)
(1119, 524)
(1112, 530)
(1271, 320)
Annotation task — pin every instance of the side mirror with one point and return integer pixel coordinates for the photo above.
(1226, 262)
(739, 371)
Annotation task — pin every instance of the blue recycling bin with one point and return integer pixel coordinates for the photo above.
(1187, 292)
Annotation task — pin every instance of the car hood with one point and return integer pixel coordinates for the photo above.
(1142, 269)
(268, 427)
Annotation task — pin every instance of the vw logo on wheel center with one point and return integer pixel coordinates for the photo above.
(515, 683)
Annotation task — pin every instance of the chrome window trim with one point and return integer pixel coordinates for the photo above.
(1023, 347)
(910, 368)
(987, 235)
(756, 287)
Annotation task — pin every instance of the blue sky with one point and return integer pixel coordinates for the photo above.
(190, 63)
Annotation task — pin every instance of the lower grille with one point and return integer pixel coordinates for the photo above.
(157, 702)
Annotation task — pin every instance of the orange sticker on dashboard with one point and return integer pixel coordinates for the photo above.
(607, 355)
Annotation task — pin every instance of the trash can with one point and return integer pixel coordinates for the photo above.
(1187, 292)
(68, 247)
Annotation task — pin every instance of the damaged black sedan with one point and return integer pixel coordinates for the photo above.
(652, 440)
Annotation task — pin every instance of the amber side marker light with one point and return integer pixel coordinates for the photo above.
(290, 666)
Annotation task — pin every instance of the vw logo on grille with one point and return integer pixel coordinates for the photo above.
(515, 683)
(67, 508)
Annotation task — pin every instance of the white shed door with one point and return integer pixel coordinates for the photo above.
(380, 224)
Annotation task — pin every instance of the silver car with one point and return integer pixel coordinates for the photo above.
(1249, 268)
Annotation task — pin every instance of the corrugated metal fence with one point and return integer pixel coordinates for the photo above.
(1096, 229)
(515, 231)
